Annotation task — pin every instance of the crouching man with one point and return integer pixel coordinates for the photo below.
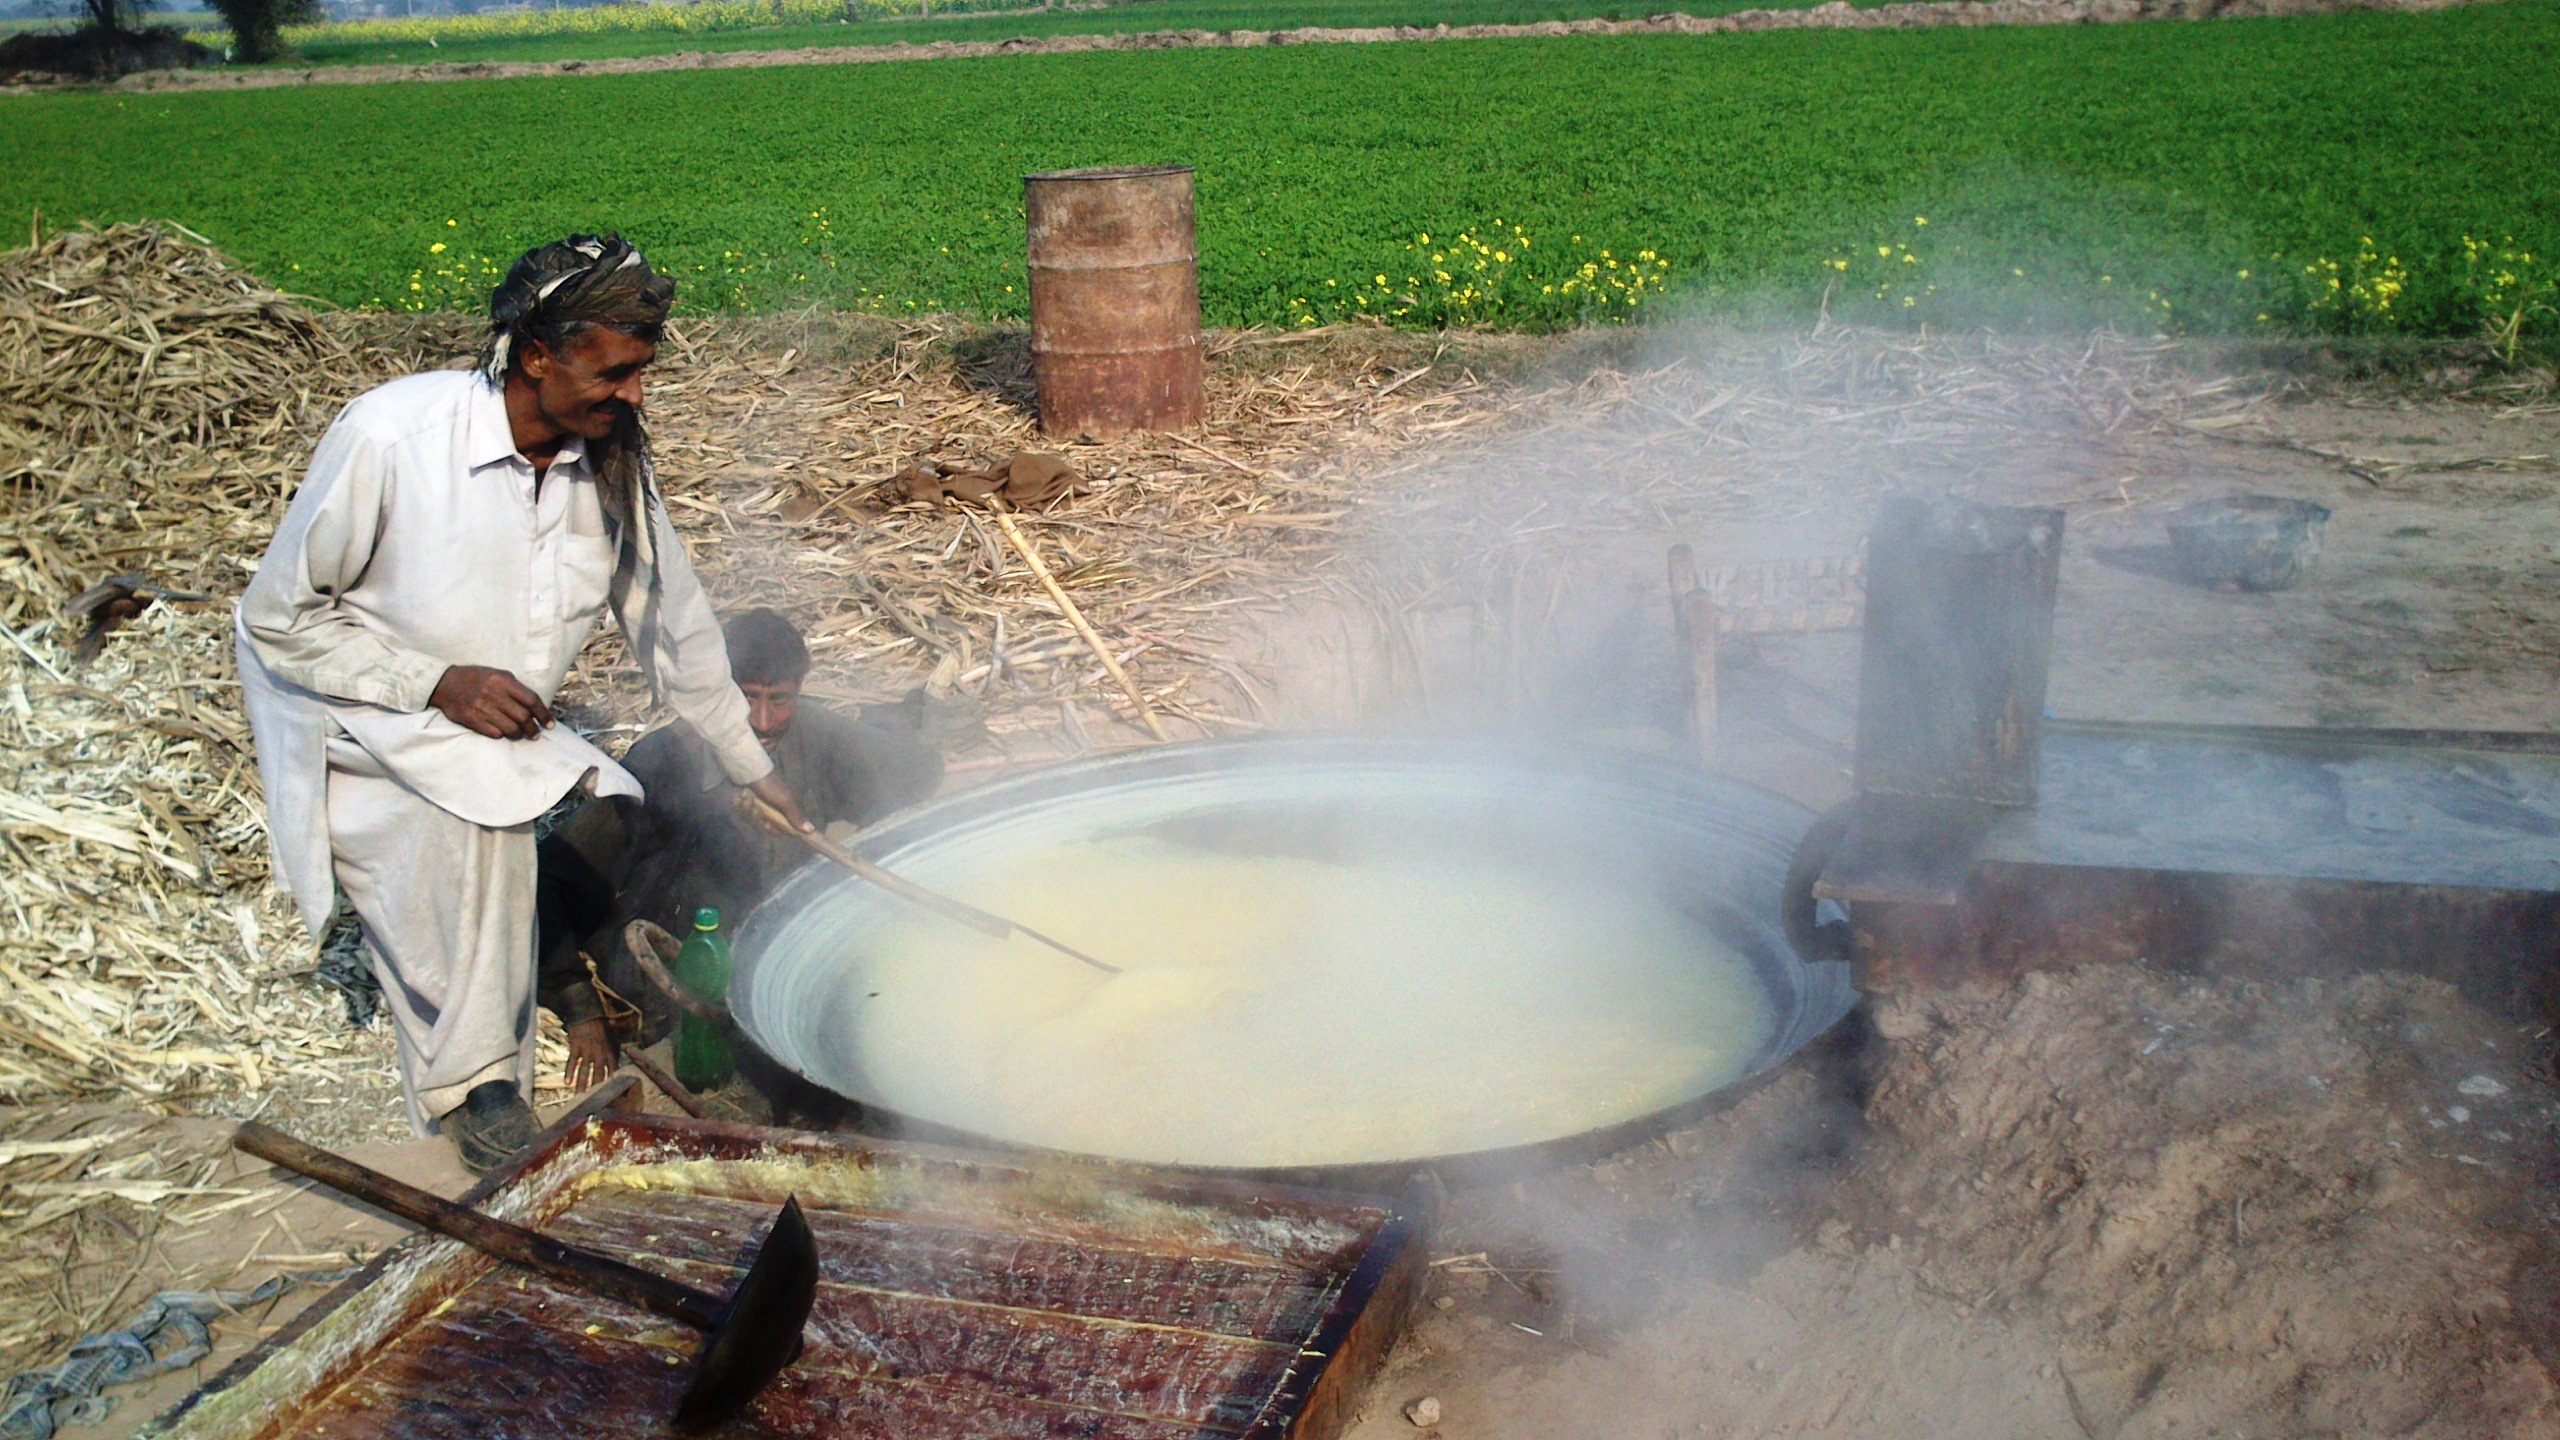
(457, 537)
(687, 844)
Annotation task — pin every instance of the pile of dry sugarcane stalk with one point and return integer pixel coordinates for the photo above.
(152, 400)
(145, 335)
(155, 403)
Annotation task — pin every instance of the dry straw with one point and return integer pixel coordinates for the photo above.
(1396, 472)
(156, 406)
(140, 336)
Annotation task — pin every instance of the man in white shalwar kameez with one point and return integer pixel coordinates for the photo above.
(457, 538)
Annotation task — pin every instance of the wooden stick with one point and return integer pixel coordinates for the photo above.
(1076, 618)
(994, 926)
(1693, 622)
(684, 1099)
(59, 678)
(1699, 616)
(597, 1274)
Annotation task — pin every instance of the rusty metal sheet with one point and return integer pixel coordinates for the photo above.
(2501, 948)
(2302, 804)
(1958, 641)
(961, 1294)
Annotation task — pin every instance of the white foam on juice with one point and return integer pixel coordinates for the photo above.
(1283, 1011)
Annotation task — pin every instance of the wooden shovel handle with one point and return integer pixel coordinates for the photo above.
(668, 1085)
(597, 1274)
(993, 926)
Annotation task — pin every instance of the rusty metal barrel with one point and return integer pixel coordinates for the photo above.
(1115, 300)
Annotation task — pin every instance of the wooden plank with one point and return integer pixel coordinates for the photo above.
(1035, 1355)
(1110, 1282)
(1063, 1359)
(565, 1133)
(1058, 1199)
(555, 1362)
(857, 1409)
(502, 1361)
(1805, 620)
(267, 1415)
(1812, 582)
(1323, 1393)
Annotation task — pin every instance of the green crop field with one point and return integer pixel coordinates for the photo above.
(604, 31)
(2314, 172)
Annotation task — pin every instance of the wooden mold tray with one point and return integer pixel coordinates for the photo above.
(962, 1294)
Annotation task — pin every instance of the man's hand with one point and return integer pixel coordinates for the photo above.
(591, 1055)
(778, 800)
(492, 702)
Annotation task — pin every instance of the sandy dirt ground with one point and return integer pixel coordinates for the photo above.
(1836, 15)
(2118, 1203)
(2114, 1203)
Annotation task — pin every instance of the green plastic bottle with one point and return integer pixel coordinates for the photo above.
(703, 1061)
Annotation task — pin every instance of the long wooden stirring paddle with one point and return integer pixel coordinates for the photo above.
(963, 912)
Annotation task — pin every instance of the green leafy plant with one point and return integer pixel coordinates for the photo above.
(2133, 173)
(1493, 275)
(2516, 291)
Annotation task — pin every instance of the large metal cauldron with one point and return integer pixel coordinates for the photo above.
(1716, 850)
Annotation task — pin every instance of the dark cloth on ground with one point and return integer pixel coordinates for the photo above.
(685, 846)
(1022, 479)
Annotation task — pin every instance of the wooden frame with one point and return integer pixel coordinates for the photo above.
(1311, 1373)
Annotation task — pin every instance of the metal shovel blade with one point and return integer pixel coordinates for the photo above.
(760, 1332)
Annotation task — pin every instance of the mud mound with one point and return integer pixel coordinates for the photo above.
(138, 335)
(2307, 1210)
(90, 53)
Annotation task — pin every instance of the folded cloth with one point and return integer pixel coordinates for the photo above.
(1023, 479)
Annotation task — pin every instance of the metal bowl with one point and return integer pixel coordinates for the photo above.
(1716, 851)
(2248, 542)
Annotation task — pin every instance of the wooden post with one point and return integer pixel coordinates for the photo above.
(1693, 622)
(1959, 635)
(1701, 613)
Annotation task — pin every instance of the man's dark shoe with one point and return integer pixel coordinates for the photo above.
(491, 1127)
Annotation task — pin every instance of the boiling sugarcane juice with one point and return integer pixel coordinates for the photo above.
(1276, 1010)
